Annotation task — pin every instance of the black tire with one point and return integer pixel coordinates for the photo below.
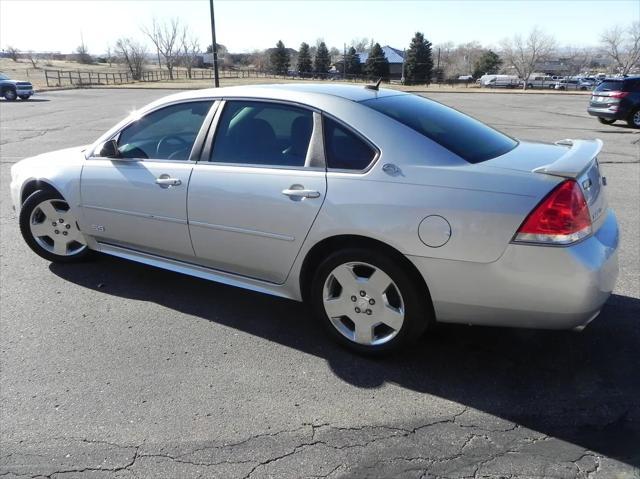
(606, 121)
(10, 95)
(417, 307)
(32, 203)
(634, 119)
(25, 97)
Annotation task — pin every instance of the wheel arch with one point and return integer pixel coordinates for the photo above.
(329, 245)
(33, 185)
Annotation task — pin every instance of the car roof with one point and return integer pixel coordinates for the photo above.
(310, 93)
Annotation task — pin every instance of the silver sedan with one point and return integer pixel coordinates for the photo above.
(386, 211)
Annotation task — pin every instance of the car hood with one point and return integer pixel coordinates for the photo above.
(32, 166)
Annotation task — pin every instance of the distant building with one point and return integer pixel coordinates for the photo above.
(395, 58)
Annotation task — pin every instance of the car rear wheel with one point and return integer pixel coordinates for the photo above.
(368, 302)
(10, 95)
(606, 121)
(50, 230)
(634, 119)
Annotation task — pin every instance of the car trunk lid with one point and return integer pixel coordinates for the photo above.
(572, 159)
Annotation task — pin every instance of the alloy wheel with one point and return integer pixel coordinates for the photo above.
(363, 303)
(55, 229)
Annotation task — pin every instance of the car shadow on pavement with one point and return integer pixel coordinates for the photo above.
(583, 388)
(30, 100)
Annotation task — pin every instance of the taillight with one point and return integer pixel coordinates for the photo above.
(618, 94)
(559, 219)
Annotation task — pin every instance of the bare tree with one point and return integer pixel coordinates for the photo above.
(190, 51)
(13, 53)
(623, 46)
(579, 59)
(109, 53)
(166, 39)
(523, 54)
(360, 44)
(133, 55)
(33, 58)
(83, 54)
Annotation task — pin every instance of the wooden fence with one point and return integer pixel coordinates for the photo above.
(78, 78)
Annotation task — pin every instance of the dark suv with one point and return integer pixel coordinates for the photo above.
(12, 89)
(617, 99)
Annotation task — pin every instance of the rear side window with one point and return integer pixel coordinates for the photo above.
(468, 138)
(344, 149)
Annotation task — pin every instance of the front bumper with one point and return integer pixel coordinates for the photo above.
(26, 92)
(530, 286)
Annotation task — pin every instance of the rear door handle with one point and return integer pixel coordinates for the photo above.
(165, 182)
(300, 193)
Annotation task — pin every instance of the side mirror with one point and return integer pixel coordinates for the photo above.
(109, 149)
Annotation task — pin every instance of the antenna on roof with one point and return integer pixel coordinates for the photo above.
(375, 87)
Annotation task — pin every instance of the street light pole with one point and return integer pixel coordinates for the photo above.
(214, 51)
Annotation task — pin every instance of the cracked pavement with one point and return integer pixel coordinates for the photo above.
(115, 370)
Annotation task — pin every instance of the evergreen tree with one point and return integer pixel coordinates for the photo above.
(304, 59)
(377, 64)
(488, 63)
(418, 65)
(353, 62)
(322, 61)
(280, 59)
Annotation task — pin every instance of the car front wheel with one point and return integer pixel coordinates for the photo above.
(606, 121)
(10, 95)
(50, 230)
(368, 301)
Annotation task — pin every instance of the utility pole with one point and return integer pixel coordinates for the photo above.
(344, 62)
(216, 81)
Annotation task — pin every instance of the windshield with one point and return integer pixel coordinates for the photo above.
(467, 137)
(3, 77)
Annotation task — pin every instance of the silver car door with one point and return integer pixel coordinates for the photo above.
(139, 199)
(258, 189)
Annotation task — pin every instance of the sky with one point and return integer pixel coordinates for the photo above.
(244, 25)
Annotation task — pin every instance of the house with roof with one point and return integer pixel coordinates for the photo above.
(395, 58)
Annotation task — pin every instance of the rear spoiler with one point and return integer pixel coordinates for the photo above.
(575, 161)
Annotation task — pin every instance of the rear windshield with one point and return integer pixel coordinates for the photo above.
(466, 137)
(630, 85)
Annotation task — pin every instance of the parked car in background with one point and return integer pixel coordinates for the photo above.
(500, 81)
(574, 84)
(617, 99)
(13, 89)
(540, 81)
(384, 210)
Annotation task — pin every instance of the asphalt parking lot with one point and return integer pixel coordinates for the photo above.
(113, 369)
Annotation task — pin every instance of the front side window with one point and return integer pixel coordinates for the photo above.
(467, 137)
(344, 150)
(262, 133)
(165, 134)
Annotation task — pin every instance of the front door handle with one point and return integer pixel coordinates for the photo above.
(297, 191)
(165, 181)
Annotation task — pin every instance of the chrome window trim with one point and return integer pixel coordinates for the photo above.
(215, 102)
(313, 141)
(373, 146)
